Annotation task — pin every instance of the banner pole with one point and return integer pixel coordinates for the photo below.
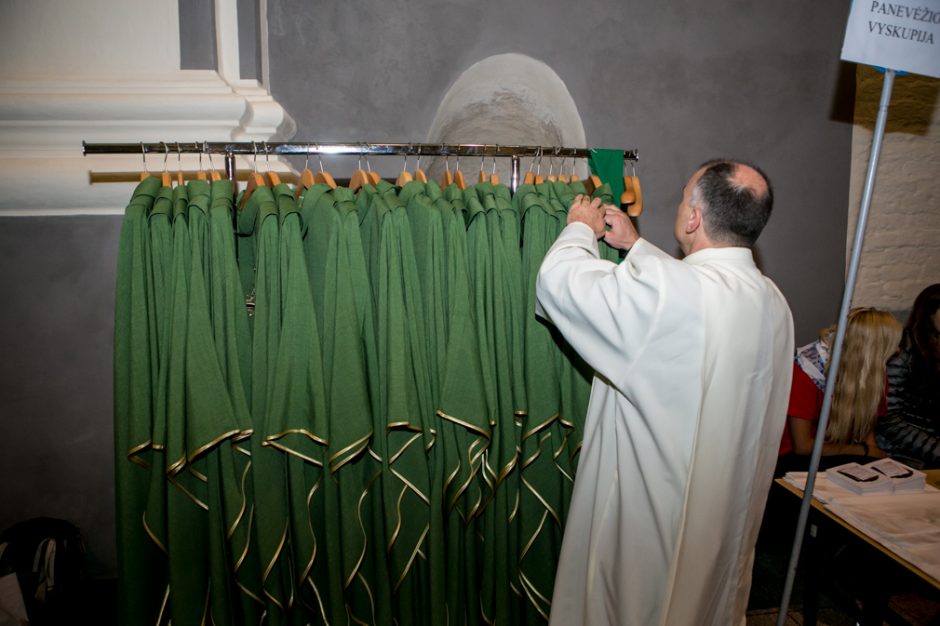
(847, 293)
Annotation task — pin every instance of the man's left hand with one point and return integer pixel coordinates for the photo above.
(588, 211)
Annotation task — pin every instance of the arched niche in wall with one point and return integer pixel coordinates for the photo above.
(507, 99)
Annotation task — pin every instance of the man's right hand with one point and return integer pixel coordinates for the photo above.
(622, 234)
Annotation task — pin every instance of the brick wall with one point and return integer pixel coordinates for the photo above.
(901, 254)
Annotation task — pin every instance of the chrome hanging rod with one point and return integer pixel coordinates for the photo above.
(261, 148)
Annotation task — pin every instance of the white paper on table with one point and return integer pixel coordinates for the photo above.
(907, 524)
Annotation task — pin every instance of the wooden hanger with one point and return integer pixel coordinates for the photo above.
(530, 175)
(179, 166)
(562, 177)
(373, 176)
(323, 176)
(574, 177)
(635, 208)
(143, 156)
(255, 180)
(271, 177)
(306, 179)
(359, 178)
(420, 176)
(551, 167)
(629, 195)
(458, 176)
(494, 177)
(214, 174)
(405, 177)
(447, 178)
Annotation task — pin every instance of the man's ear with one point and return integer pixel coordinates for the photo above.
(695, 220)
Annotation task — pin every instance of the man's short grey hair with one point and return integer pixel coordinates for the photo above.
(733, 214)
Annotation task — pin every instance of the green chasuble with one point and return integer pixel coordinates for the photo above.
(141, 566)
(546, 475)
(505, 328)
(487, 258)
(463, 430)
(260, 248)
(231, 465)
(406, 407)
(198, 416)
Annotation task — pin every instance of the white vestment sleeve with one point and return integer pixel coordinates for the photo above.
(604, 310)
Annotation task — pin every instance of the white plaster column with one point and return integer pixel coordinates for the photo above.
(108, 72)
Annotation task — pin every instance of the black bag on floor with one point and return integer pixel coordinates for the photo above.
(48, 557)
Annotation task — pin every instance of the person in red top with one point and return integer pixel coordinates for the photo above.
(859, 398)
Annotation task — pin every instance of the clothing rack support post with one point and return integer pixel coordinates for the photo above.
(230, 166)
(514, 177)
(880, 124)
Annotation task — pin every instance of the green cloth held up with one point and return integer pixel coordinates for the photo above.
(608, 166)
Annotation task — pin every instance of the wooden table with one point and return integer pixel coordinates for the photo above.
(826, 526)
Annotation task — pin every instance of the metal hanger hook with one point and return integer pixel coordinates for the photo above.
(166, 155)
(254, 162)
(319, 159)
(143, 157)
(205, 146)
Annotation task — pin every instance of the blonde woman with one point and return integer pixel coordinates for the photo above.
(871, 337)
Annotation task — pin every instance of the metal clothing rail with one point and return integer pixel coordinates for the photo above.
(263, 148)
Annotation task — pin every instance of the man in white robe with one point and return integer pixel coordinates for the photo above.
(692, 362)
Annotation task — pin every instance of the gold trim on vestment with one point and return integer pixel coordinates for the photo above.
(539, 427)
(270, 568)
(506, 470)
(411, 560)
(410, 485)
(515, 508)
(202, 449)
(365, 540)
(527, 586)
(394, 536)
(139, 449)
(464, 423)
(359, 442)
(450, 478)
(288, 450)
(172, 480)
(241, 513)
(405, 425)
(248, 592)
(297, 431)
(153, 536)
(241, 558)
(368, 589)
(197, 474)
(483, 614)
(316, 592)
(543, 501)
(534, 536)
(166, 598)
(313, 553)
(403, 448)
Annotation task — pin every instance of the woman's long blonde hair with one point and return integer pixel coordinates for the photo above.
(871, 338)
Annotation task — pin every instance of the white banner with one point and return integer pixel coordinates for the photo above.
(895, 34)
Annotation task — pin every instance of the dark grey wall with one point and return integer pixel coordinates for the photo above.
(197, 35)
(57, 319)
(680, 81)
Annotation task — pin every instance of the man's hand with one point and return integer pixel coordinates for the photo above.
(622, 234)
(589, 212)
